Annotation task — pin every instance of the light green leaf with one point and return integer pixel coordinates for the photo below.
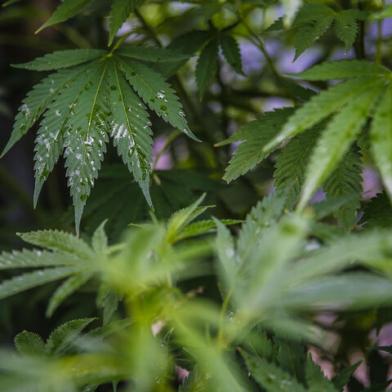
(349, 290)
(33, 258)
(318, 108)
(60, 339)
(344, 69)
(59, 241)
(29, 343)
(228, 262)
(266, 262)
(264, 215)
(365, 248)
(99, 241)
(180, 219)
(337, 139)
(62, 59)
(33, 279)
(270, 376)
(201, 227)
(255, 136)
(381, 139)
(65, 290)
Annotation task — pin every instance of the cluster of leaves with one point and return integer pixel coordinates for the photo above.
(263, 289)
(187, 301)
(92, 95)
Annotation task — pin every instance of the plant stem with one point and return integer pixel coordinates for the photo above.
(173, 136)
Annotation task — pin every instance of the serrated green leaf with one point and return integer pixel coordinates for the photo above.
(354, 290)
(119, 13)
(49, 142)
(131, 130)
(291, 163)
(270, 376)
(226, 252)
(33, 258)
(365, 248)
(157, 94)
(318, 108)
(343, 377)
(65, 11)
(29, 343)
(231, 51)
(346, 182)
(307, 35)
(346, 26)
(65, 334)
(65, 290)
(381, 139)
(62, 59)
(151, 54)
(59, 241)
(344, 69)
(291, 8)
(264, 215)
(35, 104)
(255, 136)
(266, 262)
(312, 21)
(33, 279)
(99, 241)
(188, 44)
(202, 227)
(207, 66)
(183, 217)
(315, 378)
(337, 139)
(85, 140)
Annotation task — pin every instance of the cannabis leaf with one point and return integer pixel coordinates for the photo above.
(291, 163)
(352, 102)
(253, 137)
(94, 94)
(263, 280)
(313, 20)
(207, 63)
(119, 13)
(59, 341)
(65, 11)
(381, 139)
(64, 256)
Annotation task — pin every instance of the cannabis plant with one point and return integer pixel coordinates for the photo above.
(227, 224)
